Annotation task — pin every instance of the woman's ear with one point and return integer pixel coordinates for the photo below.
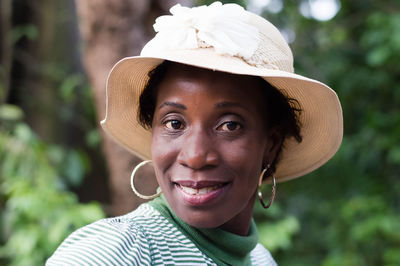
(274, 144)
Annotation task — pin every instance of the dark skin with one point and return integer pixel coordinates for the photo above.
(209, 144)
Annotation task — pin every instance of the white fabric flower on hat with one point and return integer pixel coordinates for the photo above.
(223, 27)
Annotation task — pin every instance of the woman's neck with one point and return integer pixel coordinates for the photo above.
(240, 224)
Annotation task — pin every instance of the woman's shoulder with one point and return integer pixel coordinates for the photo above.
(261, 256)
(118, 240)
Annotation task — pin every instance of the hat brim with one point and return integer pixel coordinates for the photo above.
(321, 117)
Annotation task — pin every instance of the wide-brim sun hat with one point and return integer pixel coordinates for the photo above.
(230, 39)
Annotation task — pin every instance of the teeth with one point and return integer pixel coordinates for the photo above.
(200, 191)
(189, 190)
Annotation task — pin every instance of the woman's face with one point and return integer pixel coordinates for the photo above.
(209, 144)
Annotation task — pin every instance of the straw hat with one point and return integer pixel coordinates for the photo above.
(226, 38)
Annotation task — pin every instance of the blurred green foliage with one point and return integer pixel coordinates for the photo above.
(276, 228)
(38, 208)
(38, 211)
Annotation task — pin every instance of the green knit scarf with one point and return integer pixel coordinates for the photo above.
(223, 247)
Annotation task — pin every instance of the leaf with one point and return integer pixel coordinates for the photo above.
(10, 112)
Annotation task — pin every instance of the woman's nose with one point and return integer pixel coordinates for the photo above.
(197, 150)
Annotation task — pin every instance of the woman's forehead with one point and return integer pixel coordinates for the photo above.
(191, 87)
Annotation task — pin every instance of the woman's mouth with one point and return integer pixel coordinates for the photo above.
(201, 193)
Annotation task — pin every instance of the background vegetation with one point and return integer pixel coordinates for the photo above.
(345, 213)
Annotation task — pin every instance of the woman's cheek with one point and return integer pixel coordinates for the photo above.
(237, 152)
(245, 157)
(164, 152)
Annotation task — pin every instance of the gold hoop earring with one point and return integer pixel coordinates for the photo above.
(260, 197)
(133, 184)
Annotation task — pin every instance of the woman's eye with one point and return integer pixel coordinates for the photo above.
(229, 126)
(174, 124)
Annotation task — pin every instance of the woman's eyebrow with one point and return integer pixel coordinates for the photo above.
(173, 104)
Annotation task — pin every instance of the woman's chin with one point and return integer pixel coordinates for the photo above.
(207, 221)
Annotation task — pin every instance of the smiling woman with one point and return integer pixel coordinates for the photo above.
(214, 102)
(204, 124)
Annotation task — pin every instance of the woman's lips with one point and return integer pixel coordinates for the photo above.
(201, 193)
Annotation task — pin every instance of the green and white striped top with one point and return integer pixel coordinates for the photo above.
(150, 235)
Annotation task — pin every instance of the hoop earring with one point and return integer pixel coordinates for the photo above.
(260, 197)
(133, 184)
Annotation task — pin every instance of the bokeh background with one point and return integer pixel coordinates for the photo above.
(58, 171)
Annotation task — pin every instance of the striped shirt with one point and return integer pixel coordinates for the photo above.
(142, 237)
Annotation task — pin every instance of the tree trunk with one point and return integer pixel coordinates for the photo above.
(112, 29)
(6, 51)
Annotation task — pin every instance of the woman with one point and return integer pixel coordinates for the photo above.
(214, 102)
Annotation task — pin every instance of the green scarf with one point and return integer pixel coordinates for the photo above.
(223, 247)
